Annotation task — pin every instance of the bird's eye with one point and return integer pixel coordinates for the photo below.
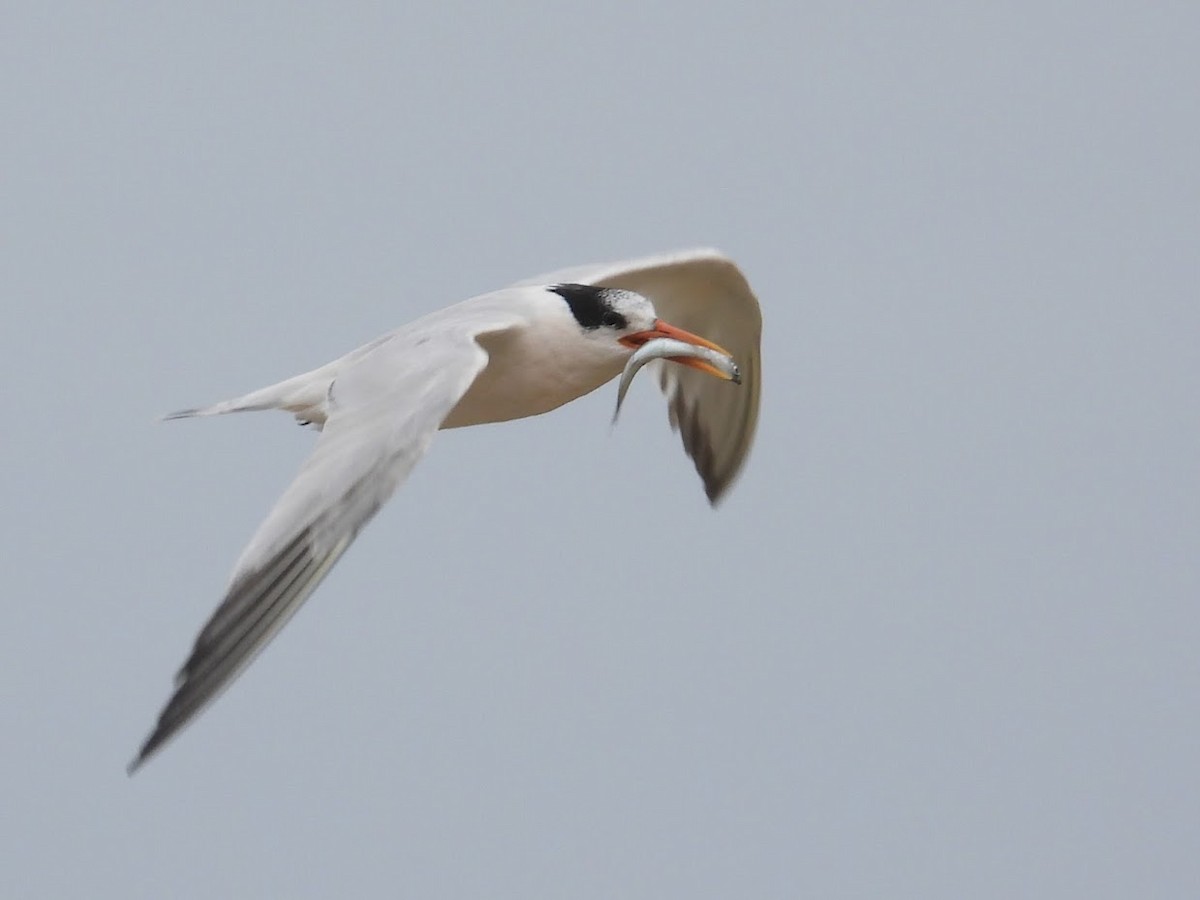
(613, 319)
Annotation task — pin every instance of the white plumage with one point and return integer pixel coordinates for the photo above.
(517, 352)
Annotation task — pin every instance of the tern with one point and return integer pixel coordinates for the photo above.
(520, 351)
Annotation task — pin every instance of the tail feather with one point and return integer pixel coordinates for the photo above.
(215, 409)
(304, 396)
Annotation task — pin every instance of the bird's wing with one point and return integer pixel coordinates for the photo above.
(704, 292)
(384, 410)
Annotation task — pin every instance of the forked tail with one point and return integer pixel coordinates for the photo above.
(304, 396)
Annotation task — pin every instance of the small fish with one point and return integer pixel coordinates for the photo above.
(669, 348)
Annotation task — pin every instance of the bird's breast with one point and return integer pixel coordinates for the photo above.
(526, 376)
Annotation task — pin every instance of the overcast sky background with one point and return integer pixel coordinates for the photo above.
(941, 640)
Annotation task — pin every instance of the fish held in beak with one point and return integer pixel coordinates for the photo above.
(706, 359)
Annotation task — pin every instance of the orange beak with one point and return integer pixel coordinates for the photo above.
(663, 330)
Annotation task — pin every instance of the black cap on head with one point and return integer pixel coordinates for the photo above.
(591, 306)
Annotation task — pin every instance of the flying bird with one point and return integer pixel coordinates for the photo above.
(520, 351)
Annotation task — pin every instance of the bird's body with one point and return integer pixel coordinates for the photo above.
(524, 375)
(509, 354)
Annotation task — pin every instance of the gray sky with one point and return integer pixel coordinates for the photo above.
(941, 640)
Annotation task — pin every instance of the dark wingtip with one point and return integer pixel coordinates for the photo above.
(150, 746)
(715, 492)
(143, 754)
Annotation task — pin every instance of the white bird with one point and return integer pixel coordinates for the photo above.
(516, 352)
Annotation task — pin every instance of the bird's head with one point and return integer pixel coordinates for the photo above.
(623, 321)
